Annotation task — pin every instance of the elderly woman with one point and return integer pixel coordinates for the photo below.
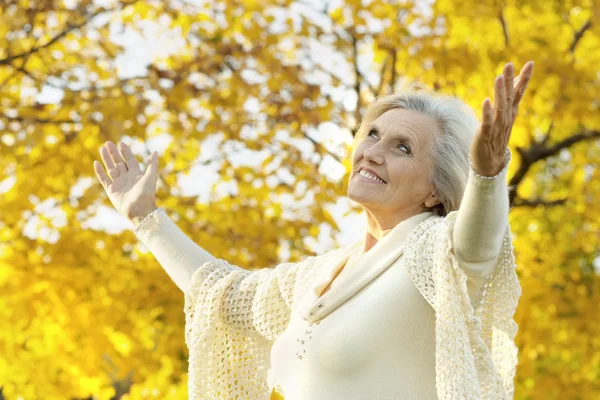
(421, 307)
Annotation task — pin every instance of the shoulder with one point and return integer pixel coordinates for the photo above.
(428, 228)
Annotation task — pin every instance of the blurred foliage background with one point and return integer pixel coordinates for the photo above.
(87, 314)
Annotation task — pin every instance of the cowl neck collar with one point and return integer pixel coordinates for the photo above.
(369, 265)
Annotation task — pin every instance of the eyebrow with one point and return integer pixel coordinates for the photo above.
(395, 136)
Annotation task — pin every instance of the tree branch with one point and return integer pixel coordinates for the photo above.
(579, 35)
(70, 27)
(504, 28)
(381, 77)
(34, 49)
(394, 74)
(357, 82)
(366, 81)
(539, 151)
(38, 120)
(65, 84)
(548, 132)
(518, 202)
(319, 145)
(586, 134)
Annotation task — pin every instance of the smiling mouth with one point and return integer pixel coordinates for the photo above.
(369, 180)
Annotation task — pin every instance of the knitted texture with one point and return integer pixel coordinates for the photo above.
(476, 356)
(233, 316)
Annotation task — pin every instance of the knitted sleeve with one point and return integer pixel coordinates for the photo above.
(233, 316)
(251, 300)
(476, 356)
(481, 222)
(247, 301)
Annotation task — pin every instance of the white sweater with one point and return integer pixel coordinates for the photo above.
(388, 355)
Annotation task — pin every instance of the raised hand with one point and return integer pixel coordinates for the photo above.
(130, 191)
(488, 149)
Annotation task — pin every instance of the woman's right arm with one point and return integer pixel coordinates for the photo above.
(246, 300)
(133, 193)
(179, 256)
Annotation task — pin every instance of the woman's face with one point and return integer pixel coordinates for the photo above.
(397, 149)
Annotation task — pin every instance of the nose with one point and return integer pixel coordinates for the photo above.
(374, 154)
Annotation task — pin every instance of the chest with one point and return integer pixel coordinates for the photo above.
(387, 316)
(386, 321)
(333, 280)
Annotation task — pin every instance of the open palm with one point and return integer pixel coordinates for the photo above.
(489, 146)
(128, 189)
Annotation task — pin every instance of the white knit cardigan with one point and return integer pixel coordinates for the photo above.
(233, 317)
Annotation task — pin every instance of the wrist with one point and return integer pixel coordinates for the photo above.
(140, 212)
(491, 173)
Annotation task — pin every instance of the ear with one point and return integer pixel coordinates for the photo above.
(432, 201)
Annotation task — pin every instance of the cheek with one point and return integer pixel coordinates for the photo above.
(410, 178)
(423, 186)
(357, 156)
(404, 173)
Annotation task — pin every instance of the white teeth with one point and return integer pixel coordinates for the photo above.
(370, 176)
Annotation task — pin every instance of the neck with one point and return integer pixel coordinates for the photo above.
(371, 240)
(378, 227)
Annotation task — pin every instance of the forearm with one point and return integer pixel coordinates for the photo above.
(482, 221)
(179, 256)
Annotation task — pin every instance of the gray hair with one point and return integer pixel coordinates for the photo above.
(450, 150)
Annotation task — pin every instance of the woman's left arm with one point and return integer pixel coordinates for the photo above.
(482, 219)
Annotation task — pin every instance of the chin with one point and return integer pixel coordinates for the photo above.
(351, 196)
(362, 200)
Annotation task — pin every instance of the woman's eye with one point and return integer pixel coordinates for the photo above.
(401, 144)
(407, 148)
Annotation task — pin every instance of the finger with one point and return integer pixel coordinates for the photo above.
(108, 163)
(509, 74)
(506, 135)
(102, 177)
(500, 98)
(130, 160)
(116, 157)
(487, 116)
(152, 166)
(523, 80)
